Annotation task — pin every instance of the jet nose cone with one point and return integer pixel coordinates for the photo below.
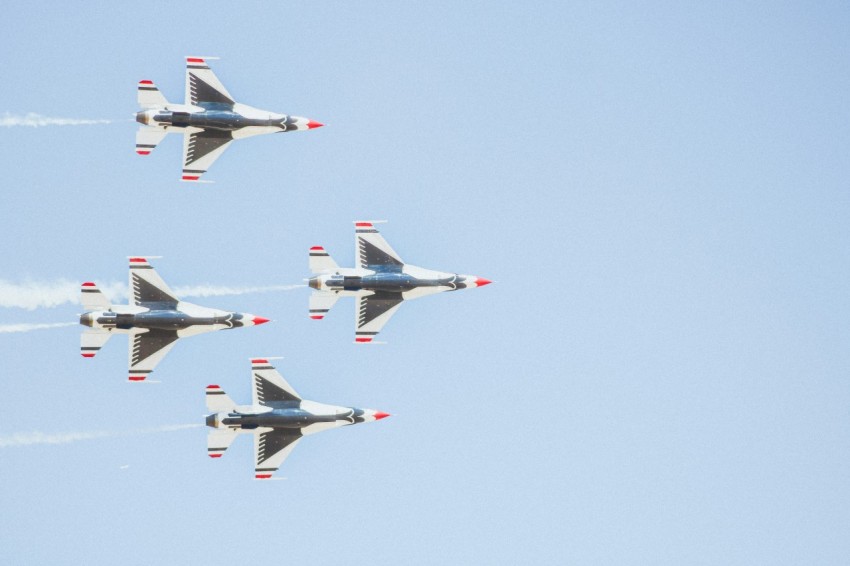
(313, 124)
(471, 281)
(257, 320)
(379, 415)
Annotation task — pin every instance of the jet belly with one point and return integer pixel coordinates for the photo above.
(287, 418)
(249, 131)
(415, 284)
(255, 113)
(422, 273)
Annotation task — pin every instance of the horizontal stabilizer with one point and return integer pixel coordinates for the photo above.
(148, 138)
(148, 95)
(91, 341)
(92, 298)
(321, 261)
(219, 440)
(217, 400)
(321, 302)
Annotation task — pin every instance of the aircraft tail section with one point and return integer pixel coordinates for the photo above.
(219, 440)
(217, 400)
(321, 302)
(91, 341)
(321, 261)
(92, 298)
(148, 96)
(148, 138)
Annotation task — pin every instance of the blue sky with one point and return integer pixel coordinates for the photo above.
(658, 375)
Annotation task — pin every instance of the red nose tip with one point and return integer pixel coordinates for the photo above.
(481, 282)
(313, 124)
(379, 416)
(260, 320)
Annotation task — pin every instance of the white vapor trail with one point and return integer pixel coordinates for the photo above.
(32, 438)
(6, 328)
(214, 291)
(31, 295)
(33, 120)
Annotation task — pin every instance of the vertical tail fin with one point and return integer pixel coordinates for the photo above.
(218, 400)
(148, 96)
(92, 298)
(320, 260)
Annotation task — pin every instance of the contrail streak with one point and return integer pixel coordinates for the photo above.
(31, 295)
(32, 438)
(33, 120)
(5, 328)
(213, 291)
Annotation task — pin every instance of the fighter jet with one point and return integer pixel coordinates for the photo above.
(379, 283)
(209, 119)
(155, 319)
(277, 417)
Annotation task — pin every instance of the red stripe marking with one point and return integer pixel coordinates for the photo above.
(362, 339)
(317, 316)
(317, 248)
(89, 355)
(136, 378)
(363, 224)
(259, 361)
(145, 82)
(138, 260)
(194, 60)
(215, 455)
(213, 387)
(263, 476)
(89, 284)
(143, 152)
(191, 177)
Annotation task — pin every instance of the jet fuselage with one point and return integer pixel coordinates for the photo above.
(226, 120)
(307, 416)
(389, 280)
(159, 319)
(222, 117)
(290, 414)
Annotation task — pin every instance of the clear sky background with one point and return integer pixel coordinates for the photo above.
(659, 374)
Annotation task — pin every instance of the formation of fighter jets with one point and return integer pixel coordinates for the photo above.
(155, 318)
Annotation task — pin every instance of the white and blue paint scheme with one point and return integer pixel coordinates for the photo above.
(210, 119)
(277, 417)
(154, 319)
(380, 282)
